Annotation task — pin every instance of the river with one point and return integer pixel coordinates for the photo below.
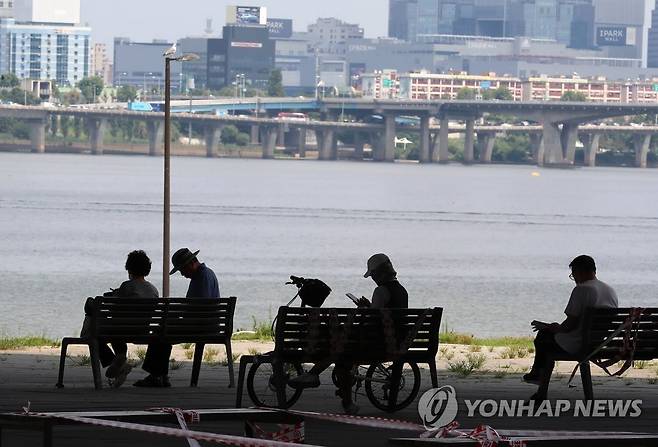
(490, 244)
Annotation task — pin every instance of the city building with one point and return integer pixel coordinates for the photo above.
(325, 35)
(45, 42)
(519, 56)
(100, 63)
(381, 84)
(195, 73)
(433, 87)
(652, 41)
(6, 8)
(141, 65)
(566, 21)
(245, 51)
(622, 28)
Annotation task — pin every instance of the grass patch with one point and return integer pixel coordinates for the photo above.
(210, 354)
(261, 331)
(254, 351)
(465, 368)
(189, 354)
(641, 364)
(14, 343)
(455, 338)
(224, 361)
(81, 360)
(140, 353)
(514, 352)
(187, 346)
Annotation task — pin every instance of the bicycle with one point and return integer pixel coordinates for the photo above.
(375, 379)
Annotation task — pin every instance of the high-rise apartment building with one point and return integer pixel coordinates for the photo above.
(565, 21)
(101, 65)
(327, 33)
(43, 41)
(6, 8)
(141, 65)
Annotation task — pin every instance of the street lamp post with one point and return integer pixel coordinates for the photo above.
(167, 166)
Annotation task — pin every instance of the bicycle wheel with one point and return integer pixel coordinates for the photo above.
(260, 384)
(378, 379)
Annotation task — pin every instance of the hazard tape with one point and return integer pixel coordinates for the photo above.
(287, 433)
(484, 435)
(184, 417)
(228, 440)
(363, 421)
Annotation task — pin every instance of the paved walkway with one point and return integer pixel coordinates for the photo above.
(32, 378)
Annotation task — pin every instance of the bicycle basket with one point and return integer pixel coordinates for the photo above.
(314, 292)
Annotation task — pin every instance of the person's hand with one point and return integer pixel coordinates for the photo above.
(363, 302)
(539, 325)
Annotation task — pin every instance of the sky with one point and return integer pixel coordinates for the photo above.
(144, 20)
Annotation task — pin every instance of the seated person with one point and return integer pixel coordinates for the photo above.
(565, 337)
(389, 293)
(138, 266)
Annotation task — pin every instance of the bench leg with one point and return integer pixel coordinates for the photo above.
(47, 435)
(94, 353)
(394, 386)
(433, 374)
(280, 384)
(62, 364)
(196, 365)
(586, 376)
(229, 359)
(244, 361)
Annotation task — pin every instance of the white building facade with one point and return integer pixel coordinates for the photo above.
(43, 41)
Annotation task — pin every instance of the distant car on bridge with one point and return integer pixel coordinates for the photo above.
(137, 106)
(292, 116)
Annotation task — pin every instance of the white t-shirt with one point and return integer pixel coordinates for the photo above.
(593, 293)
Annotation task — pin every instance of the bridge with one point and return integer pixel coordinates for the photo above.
(554, 139)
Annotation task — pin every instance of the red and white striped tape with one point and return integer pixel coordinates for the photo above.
(228, 440)
(184, 417)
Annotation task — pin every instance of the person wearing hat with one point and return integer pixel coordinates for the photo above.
(389, 293)
(203, 284)
(203, 281)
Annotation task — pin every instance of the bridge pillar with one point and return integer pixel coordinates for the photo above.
(96, 130)
(486, 143)
(425, 140)
(469, 139)
(358, 146)
(537, 145)
(213, 135)
(254, 134)
(642, 145)
(301, 144)
(568, 138)
(38, 135)
(327, 143)
(552, 145)
(387, 149)
(443, 154)
(281, 136)
(591, 143)
(268, 139)
(156, 137)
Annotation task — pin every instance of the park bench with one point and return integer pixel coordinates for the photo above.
(156, 320)
(598, 325)
(349, 335)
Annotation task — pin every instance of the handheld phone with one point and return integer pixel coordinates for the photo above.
(353, 298)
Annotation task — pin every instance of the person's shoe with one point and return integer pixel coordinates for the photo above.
(533, 378)
(115, 367)
(351, 409)
(120, 378)
(165, 382)
(306, 380)
(150, 381)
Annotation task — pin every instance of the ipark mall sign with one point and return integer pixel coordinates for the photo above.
(616, 36)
